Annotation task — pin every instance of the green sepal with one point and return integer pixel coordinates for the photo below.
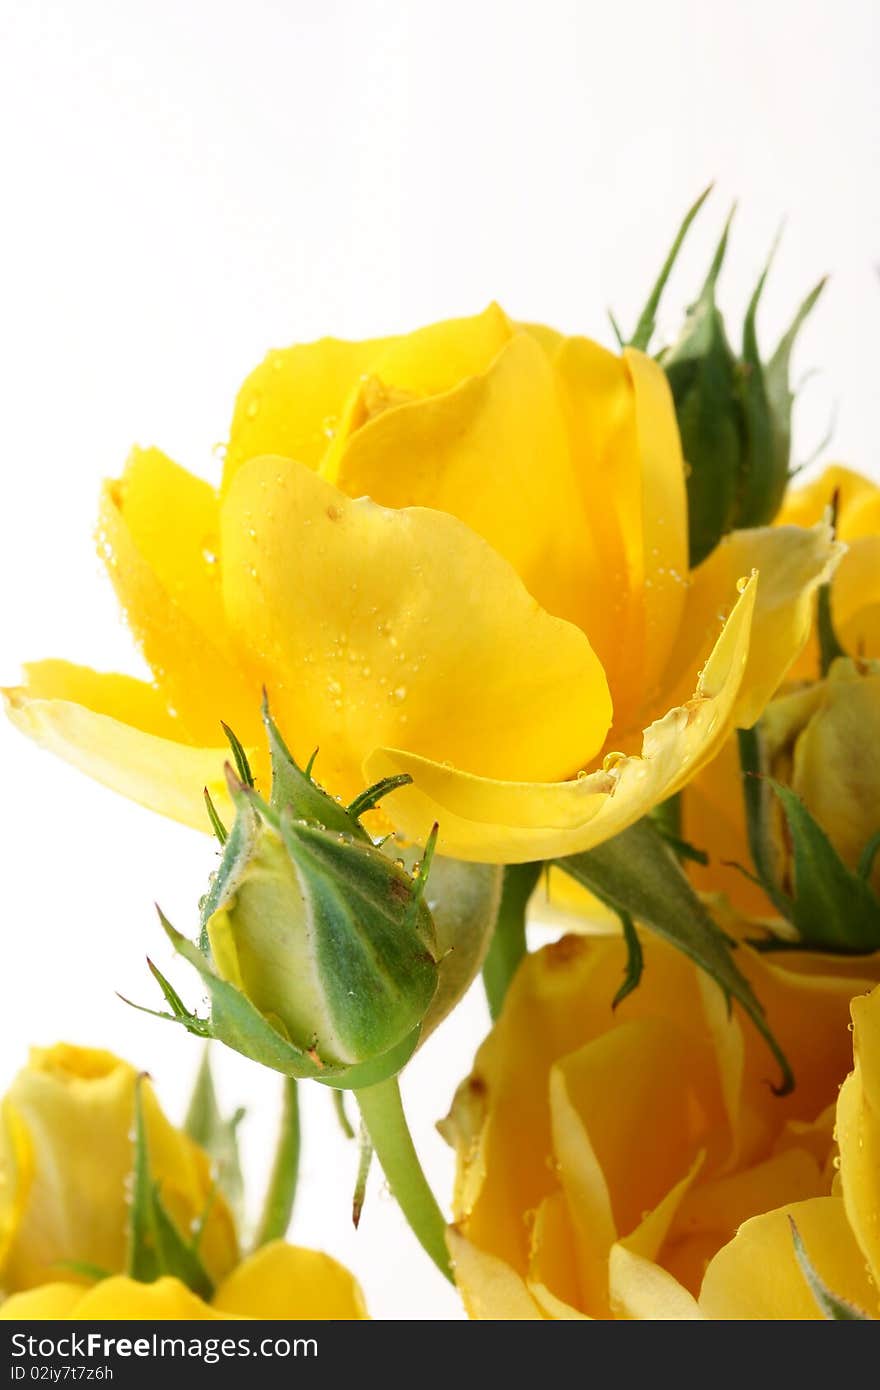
(365, 1160)
(238, 1025)
(234, 860)
(636, 873)
(829, 644)
(644, 331)
(155, 1246)
(373, 937)
(341, 1113)
(369, 799)
(217, 825)
(868, 855)
(281, 1192)
(216, 1135)
(635, 960)
(832, 1306)
(832, 908)
(242, 764)
(464, 901)
(758, 802)
(763, 473)
(296, 791)
(508, 941)
(84, 1269)
(235, 1022)
(780, 396)
(704, 378)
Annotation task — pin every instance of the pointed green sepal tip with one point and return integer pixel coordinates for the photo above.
(644, 331)
(318, 950)
(831, 1305)
(734, 412)
(155, 1245)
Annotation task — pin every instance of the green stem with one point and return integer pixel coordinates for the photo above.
(508, 945)
(382, 1112)
(278, 1203)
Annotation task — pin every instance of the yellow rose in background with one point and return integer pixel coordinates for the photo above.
(822, 740)
(757, 1274)
(278, 1282)
(66, 1160)
(459, 554)
(604, 1157)
(66, 1163)
(855, 590)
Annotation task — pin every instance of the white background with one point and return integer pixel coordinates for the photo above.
(185, 185)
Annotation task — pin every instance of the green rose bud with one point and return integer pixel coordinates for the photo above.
(734, 411)
(328, 938)
(318, 950)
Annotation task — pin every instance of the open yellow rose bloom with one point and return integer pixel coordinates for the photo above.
(459, 554)
(635, 1163)
(823, 736)
(66, 1157)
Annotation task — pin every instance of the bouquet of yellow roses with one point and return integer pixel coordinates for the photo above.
(492, 652)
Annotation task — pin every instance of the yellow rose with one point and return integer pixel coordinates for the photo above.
(822, 740)
(459, 554)
(278, 1282)
(855, 590)
(66, 1162)
(757, 1275)
(604, 1157)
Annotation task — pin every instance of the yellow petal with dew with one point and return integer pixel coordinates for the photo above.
(791, 563)
(858, 1131)
(383, 626)
(169, 599)
(496, 821)
(757, 1275)
(291, 404)
(494, 453)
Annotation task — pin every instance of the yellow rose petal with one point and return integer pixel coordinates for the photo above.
(804, 506)
(173, 605)
(627, 458)
(492, 451)
(48, 1302)
(855, 598)
(75, 1109)
(791, 563)
(553, 1278)
(489, 1288)
(508, 822)
(167, 1300)
(837, 760)
(286, 1281)
(380, 626)
(757, 1275)
(642, 1290)
(435, 358)
(119, 732)
(291, 404)
(858, 1130)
